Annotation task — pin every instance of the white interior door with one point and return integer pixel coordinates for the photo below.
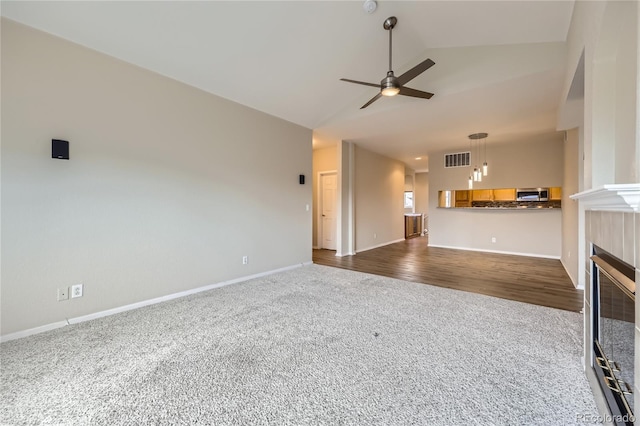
(329, 188)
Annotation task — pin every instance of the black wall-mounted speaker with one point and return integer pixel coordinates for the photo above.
(301, 179)
(59, 149)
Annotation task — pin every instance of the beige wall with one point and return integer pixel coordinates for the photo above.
(534, 163)
(324, 160)
(570, 212)
(626, 76)
(606, 33)
(379, 204)
(166, 189)
(422, 193)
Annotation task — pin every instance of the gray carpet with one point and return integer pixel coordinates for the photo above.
(314, 345)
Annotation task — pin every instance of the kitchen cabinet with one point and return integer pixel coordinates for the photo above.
(462, 195)
(462, 199)
(555, 193)
(505, 194)
(482, 195)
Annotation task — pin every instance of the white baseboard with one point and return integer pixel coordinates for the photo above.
(514, 253)
(89, 317)
(379, 245)
(575, 284)
(32, 331)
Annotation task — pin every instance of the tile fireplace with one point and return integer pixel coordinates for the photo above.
(610, 216)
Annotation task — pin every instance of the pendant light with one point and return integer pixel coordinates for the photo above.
(477, 171)
(485, 166)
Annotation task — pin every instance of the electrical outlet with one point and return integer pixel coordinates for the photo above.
(76, 291)
(375, 235)
(63, 294)
(245, 260)
(493, 239)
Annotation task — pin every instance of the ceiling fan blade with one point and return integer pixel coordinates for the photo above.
(372, 100)
(407, 91)
(415, 71)
(364, 83)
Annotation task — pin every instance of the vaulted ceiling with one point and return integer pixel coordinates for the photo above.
(500, 66)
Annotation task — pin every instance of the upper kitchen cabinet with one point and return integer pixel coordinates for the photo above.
(463, 198)
(505, 194)
(482, 195)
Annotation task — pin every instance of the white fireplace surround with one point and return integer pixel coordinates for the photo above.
(611, 220)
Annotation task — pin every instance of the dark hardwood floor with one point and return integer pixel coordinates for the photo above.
(526, 279)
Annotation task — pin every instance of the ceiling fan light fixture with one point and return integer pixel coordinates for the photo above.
(390, 91)
(389, 85)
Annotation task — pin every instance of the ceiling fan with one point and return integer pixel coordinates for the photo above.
(392, 85)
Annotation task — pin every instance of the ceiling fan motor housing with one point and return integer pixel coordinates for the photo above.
(389, 85)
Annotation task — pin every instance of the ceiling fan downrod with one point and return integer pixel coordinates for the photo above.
(389, 85)
(388, 25)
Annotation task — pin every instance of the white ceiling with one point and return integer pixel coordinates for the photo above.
(499, 65)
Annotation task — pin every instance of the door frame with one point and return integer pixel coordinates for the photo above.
(319, 229)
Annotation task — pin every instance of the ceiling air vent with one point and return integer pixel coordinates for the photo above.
(459, 159)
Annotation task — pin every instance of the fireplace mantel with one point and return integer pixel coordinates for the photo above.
(616, 197)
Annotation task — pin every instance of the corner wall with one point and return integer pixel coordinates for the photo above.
(422, 193)
(166, 189)
(570, 245)
(379, 203)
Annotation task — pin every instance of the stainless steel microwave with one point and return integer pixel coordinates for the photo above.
(532, 194)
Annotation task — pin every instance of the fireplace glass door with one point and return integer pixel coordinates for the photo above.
(617, 322)
(614, 332)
